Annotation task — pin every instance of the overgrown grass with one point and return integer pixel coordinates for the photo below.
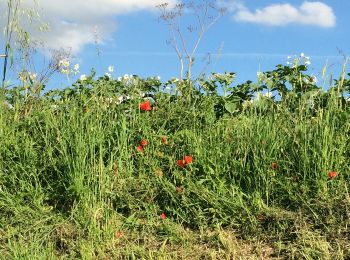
(74, 185)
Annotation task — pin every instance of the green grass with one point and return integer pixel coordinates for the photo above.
(71, 178)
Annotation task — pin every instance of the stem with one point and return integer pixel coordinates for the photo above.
(178, 52)
(8, 35)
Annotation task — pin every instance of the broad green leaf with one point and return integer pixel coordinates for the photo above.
(231, 107)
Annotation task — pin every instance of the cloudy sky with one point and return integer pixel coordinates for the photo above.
(253, 35)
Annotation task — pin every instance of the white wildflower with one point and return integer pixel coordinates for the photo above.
(32, 76)
(76, 69)
(314, 79)
(63, 63)
(64, 66)
(83, 77)
(302, 55)
(110, 69)
(120, 99)
(268, 94)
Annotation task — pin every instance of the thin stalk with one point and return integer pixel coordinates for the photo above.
(8, 35)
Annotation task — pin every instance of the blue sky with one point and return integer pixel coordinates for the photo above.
(253, 35)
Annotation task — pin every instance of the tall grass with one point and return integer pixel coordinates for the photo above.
(74, 185)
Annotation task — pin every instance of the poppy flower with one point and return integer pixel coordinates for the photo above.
(185, 161)
(163, 216)
(178, 190)
(143, 142)
(188, 159)
(181, 163)
(146, 106)
(332, 174)
(274, 165)
(140, 148)
(164, 140)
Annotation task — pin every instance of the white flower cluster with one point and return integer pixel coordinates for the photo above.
(32, 76)
(123, 98)
(174, 80)
(108, 101)
(64, 67)
(312, 80)
(257, 98)
(155, 78)
(295, 61)
(126, 78)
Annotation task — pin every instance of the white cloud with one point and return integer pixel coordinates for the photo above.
(308, 13)
(72, 22)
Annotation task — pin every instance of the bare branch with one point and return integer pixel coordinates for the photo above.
(206, 14)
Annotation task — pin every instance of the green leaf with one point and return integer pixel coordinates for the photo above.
(10, 53)
(231, 107)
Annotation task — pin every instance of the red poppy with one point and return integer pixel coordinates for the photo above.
(140, 148)
(163, 216)
(185, 161)
(143, 142)
(164, 140)
(178, 189)
(332, 174)
(181, 163)
(274, 165)
(188, 159)
(146, 106)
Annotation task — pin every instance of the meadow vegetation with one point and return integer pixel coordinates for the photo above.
(132, 168)
(119, 168)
